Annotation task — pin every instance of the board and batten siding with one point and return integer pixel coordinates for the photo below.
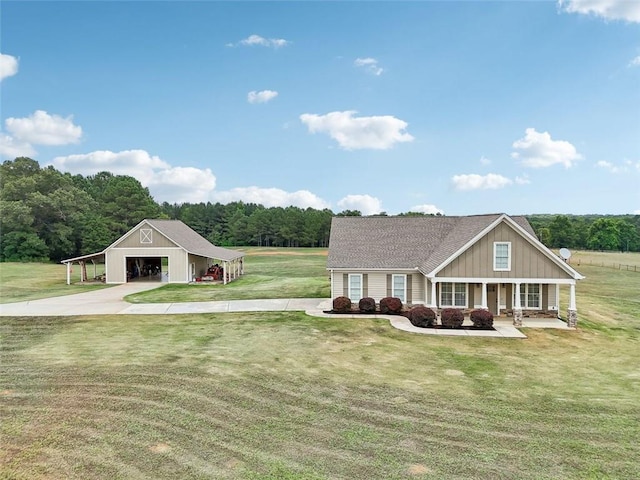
(116, 262)
(376, 285)
(133, 240)
(526, 260)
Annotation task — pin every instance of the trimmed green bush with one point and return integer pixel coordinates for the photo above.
(342, 304)
(422, 316)
(367, 305)
(392, 305)
(482, 318)
(451, 317)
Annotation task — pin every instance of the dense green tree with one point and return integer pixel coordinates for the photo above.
(604, 234)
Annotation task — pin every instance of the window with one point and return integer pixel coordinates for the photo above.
(398, 286)
(146, 235)
(530, 295)
(501, 256)
(453, 294)
(355, 287)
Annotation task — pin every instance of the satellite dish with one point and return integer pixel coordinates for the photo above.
(565, 253)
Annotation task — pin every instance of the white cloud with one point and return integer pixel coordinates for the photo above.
(257, 40)
(166, 183)
(613, 168)
(377, 132)
(635, 62)
(636, 212)
(473, 181)
(537, 150)
(484, 160)
(627, 10)
(271, 197)
(11, 148)
(8, 66)
(262, 96)
(44, 129)
(427, 208)
(370, 65)
(366, 204)
(523, 180)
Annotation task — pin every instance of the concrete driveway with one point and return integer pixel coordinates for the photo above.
(102, 301)
(110, 301)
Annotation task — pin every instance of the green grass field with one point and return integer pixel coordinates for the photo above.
(269, 273)
(20, 282)
(285, 396)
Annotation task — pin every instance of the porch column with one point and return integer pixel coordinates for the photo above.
(68, 273)
(433, 302)
(484, 296)
(517, 307)
(572, 313)
(224, 273)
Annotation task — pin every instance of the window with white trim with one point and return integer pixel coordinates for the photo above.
(530, 295)
(146, 235)
(453, 294)
(399, 287)
(501, 256)
(355, 287)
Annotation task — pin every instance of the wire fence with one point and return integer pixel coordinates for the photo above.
(617, 266)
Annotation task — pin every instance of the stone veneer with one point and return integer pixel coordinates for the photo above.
(572, 318)
(517, 317)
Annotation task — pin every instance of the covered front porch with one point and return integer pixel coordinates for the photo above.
(519, 299)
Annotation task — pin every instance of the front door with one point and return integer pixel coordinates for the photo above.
(492, 298)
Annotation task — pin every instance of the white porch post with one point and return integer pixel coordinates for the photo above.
(517, 307)
(484, 296)
(572, 314)
(224, 273)
(68, 273)
(558, 299)
(433, 302)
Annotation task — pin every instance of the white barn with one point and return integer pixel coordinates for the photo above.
(162, 251)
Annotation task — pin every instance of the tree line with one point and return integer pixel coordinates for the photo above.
(47, 215)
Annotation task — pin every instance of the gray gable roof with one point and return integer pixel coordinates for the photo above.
(404, 242)
(187, 238)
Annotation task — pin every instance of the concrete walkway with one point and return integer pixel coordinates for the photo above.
(109, 301)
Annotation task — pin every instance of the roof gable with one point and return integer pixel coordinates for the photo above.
(184, 237)
(424, 243)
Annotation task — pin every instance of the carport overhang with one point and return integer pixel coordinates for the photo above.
(92, 257)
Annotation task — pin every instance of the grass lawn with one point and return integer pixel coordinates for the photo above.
(269, 273)
(20, 282)
(279, 395)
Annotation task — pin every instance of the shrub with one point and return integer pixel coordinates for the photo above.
(342, 304)
(392, 305)
(451, 317)
(367, 305)
(482, 318)
(422, 316)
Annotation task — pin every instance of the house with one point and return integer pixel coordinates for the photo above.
(163, 251)
(493, 262)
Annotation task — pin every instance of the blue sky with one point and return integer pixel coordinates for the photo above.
(456, 107)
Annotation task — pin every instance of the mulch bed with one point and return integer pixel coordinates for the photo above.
(403, 314)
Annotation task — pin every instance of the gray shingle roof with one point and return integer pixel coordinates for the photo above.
(404, 242)
(192, 241)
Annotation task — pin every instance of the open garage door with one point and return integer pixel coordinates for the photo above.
(147, 269)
